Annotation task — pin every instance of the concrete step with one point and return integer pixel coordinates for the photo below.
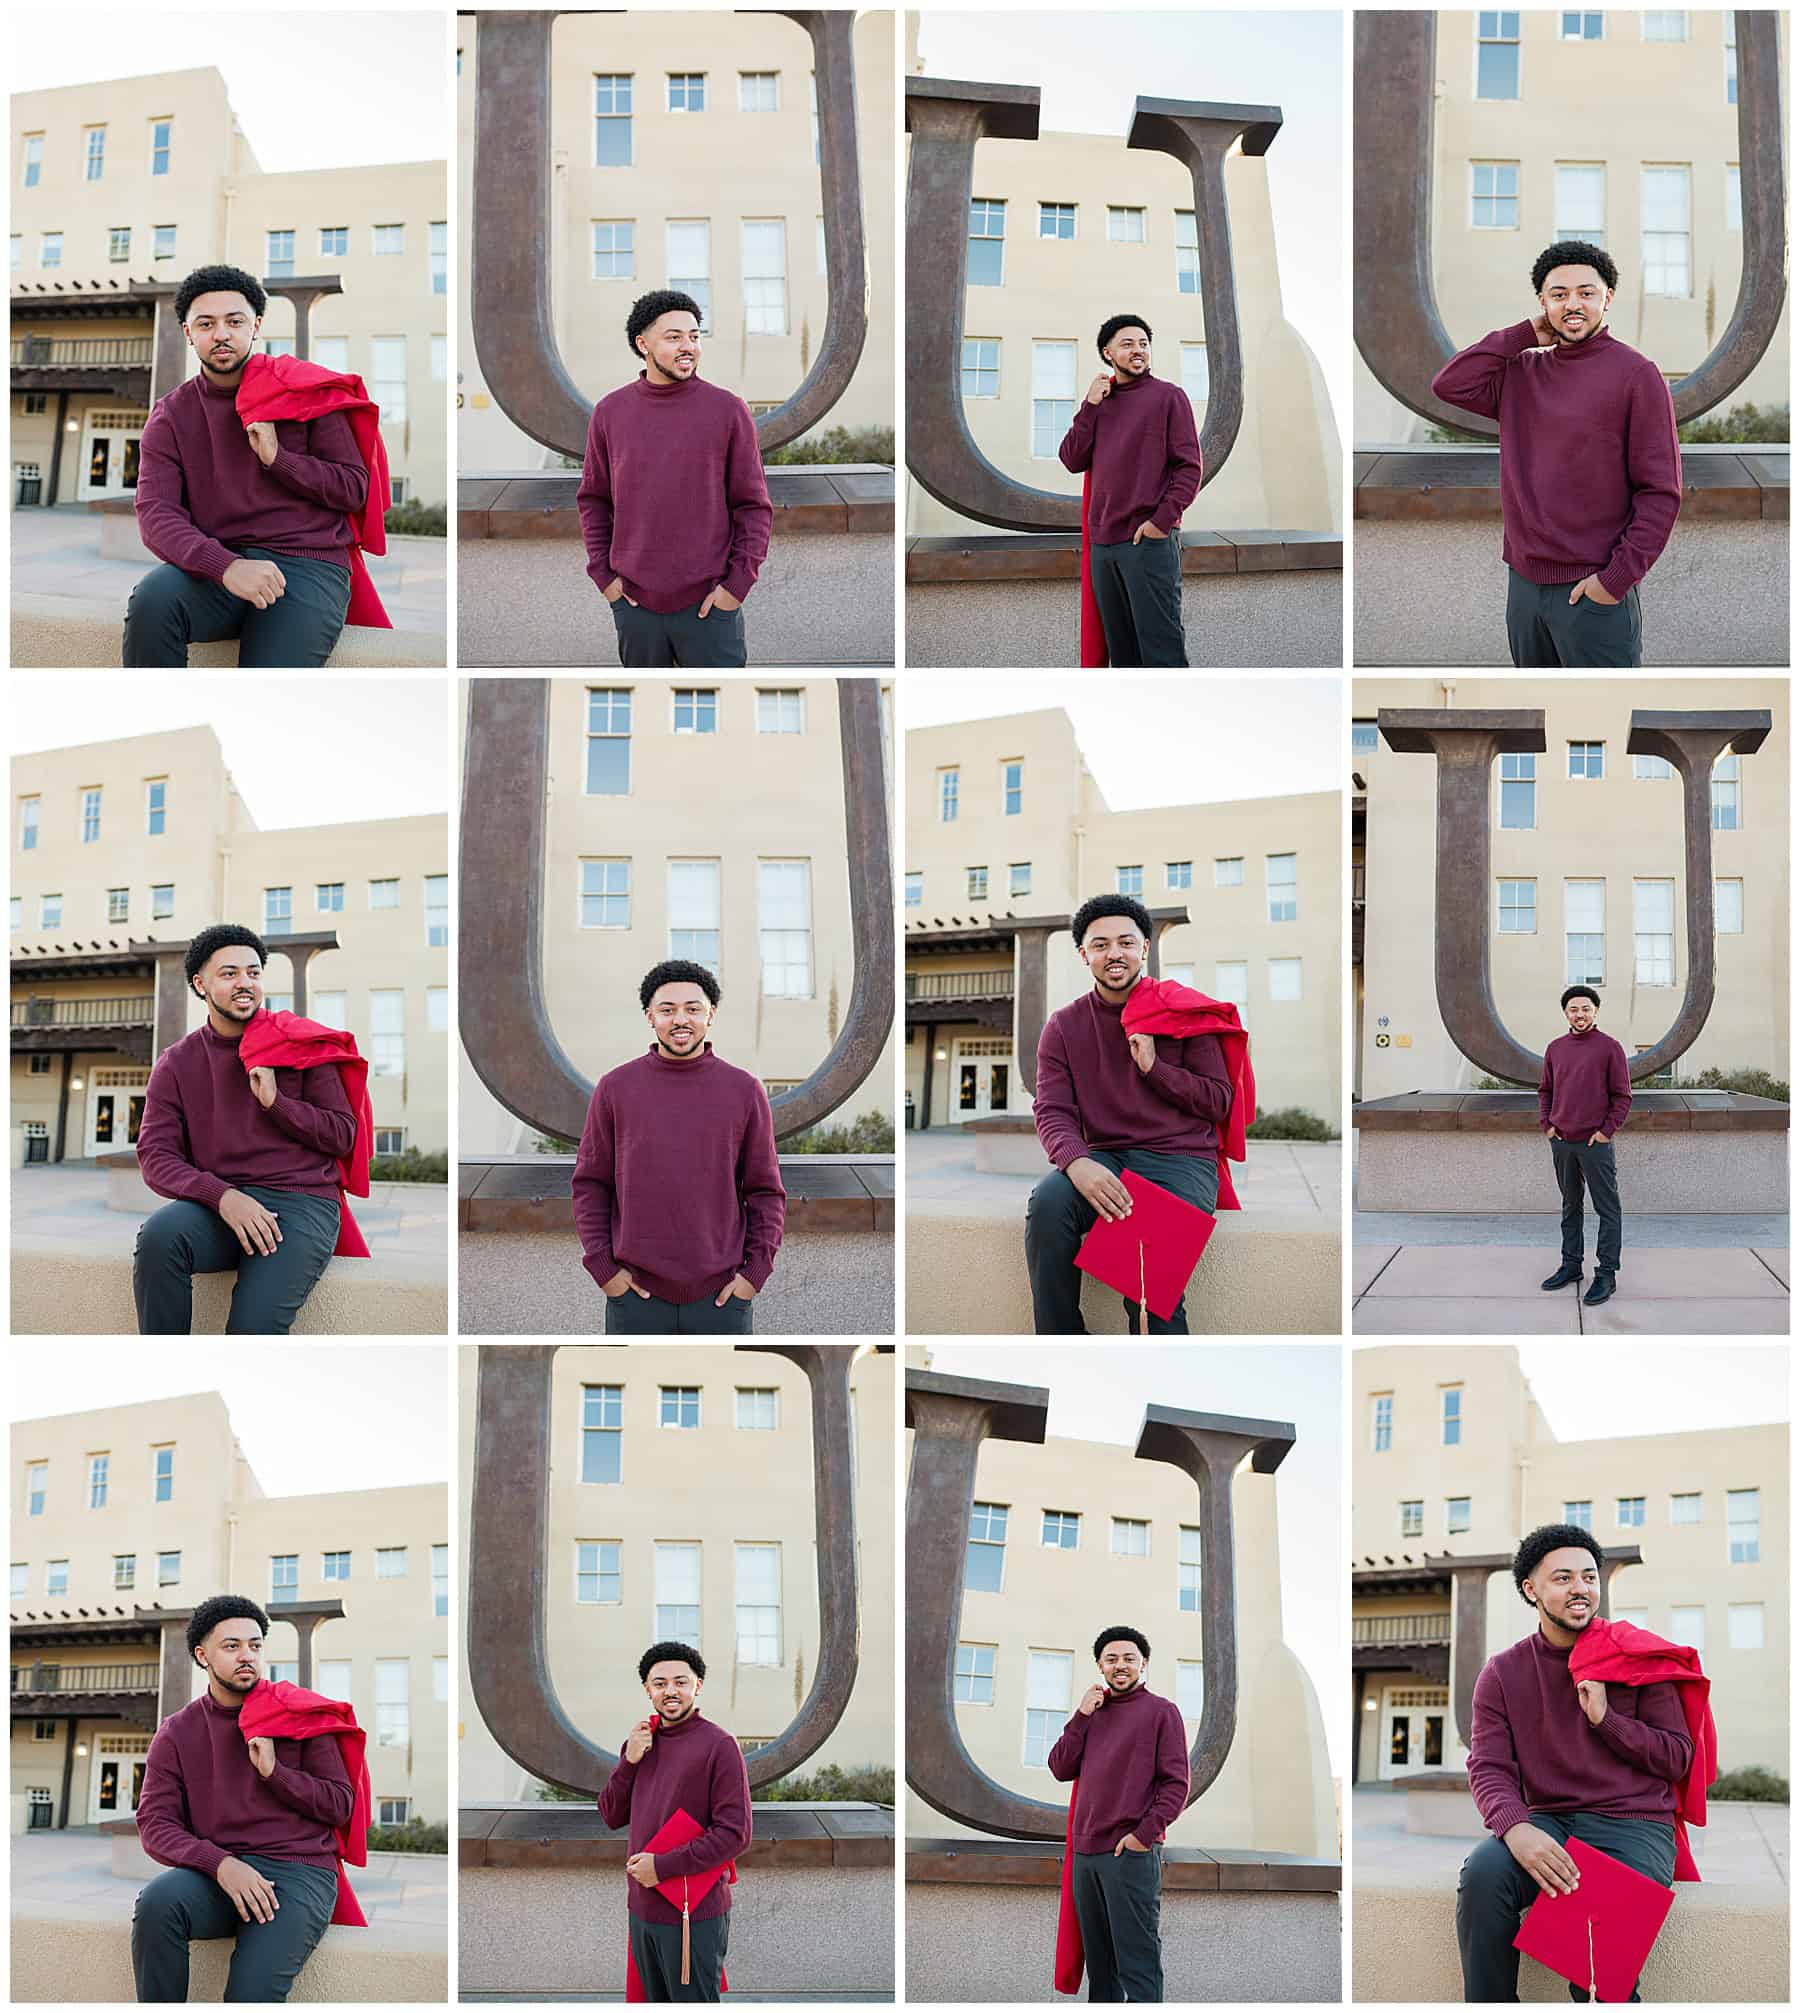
(59, 632)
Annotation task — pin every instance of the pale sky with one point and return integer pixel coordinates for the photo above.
(1673, 1387)
(325, 90)
(1156, 741)
(1092, 68)
(320, 751)
(311, 1419)
(1100, 1394)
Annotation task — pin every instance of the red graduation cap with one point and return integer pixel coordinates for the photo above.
(1600, 1936)
(676, 1831)
(1150, 1257)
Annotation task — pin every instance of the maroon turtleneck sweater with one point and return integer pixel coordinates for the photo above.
(1533, 1748)
(1590, 468)
(204, 1801)
(202, 490)
(203, 1130)
(676, 1179)
(1140, 444)
(672, 496)
(1090, 1093)
(692, 1766)
(1130, 1755)
(1585, 1087)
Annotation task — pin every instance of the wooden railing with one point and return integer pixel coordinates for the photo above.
(52, 1680)
(995, 985)
(1392, 1631)
(33, 351)
(129, 1012)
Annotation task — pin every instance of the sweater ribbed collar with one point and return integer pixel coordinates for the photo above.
(1571, 353)
(675, 390)
(695, 1064)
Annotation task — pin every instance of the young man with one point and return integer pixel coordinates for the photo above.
(250, 1155)
(1133, 437)
(1125, 1750)
(1590, 468)
(678, 1195)
(1584, 1096)
(1551, 1759)
(247, 1827)
(678, 1761)
(251, 521)
(675, 513)
(1107, 1101)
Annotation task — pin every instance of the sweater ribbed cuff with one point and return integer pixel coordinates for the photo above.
(738, 583)
(1502, 1820)
(756, 1272)
(1618, 579)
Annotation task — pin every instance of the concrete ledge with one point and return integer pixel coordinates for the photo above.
(1188, 1869)
(529, 1193)
(855, 497)
(1454, 480)
(1516, 1111)
(784, 1835)
(1265, 1272)
(67, 1957)
(1721, 1943)
(52, 631)
(1056, 555)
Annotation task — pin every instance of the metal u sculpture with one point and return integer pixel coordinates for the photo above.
(950, 1418)
(509, 1530)
(505, 1026)
(945, 120)
(1465, 741)
(515, 332)
(1398, 327)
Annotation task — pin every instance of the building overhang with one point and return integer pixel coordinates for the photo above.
(65, 1628)
(86, 300)
(74, 960)
(127, 382)
(1430, 1661)
(1405, 1575)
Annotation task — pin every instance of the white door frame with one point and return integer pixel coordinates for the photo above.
(120, 435)
(126, 1749)
(989, 1051)
(120, 1084)
(1416, 1712)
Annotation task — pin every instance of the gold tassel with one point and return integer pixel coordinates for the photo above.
(1143, 1302)
(1593, 1980)
(685, 1954)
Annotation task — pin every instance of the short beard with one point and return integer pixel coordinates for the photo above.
(675, 1719)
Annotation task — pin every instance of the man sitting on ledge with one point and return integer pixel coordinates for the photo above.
(1551, 1760)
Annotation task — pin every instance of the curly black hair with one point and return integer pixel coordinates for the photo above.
(218, 280)
(1582, 993)
(671, 1653)
(1112, 325)
(1572, 252)
(202, 947)
(1539, 1544)
(1122, 1635)
(648, 309)
(221, 1608)
(676, 971)
(1109, 905)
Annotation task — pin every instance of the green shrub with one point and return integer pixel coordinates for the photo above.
(413, 1836)
(873, 1132)
(1289, 1123)
(1749, 1785)
(1746, 1082)
(835, 444)
(832, 1784)
(1743, 423)
(412, 1165)
(417, 520)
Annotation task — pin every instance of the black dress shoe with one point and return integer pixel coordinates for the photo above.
(1570, 1275)
(1602, 1289)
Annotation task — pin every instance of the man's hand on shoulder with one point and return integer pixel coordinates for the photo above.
(255, 1228)
(262, 1755)
(1540, 1855)
(259, 581)
(622, 1283)
(262, 437)
(262, 1081)
(1592, 1694)
(1100, 1189)
(251, 1895)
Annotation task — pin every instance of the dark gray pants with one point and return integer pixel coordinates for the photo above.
(1118, 1903)
(1543, 631)
(1138, 588)
(182, 1238)
(170, 609)
(181, 1905)
(1495, 1891)
(652, 642)
(631, 1314)
(1577, 1166)
(1057, 1218)
(656, 1951)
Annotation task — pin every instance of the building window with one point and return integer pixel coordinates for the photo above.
(118, 244)
(124, 1572)
(1129, 881)
(694, 911)
(1688, 1626)
(764, 245)
(97, 1468)
(1382, 1427)
(597, 1578)
(1581, 201)
(37, 1488)
(1196, 377)
(334, 241)
(21, 1580)
(387, 1033)
(387, 377)
(977, 884)
(1582, 27)
(1281, 874)
(440, 1579)
(437, 911)
(284, 1578)
(612, 122)
(602, 1409)
(1124, 226)
(1731, 78)
(161, 132)
(28, 824)
(50, 245)
(393, 1702)
(278, 912)
(758, 1408)
(278, 254)
(758, 1604)
(696, 709)
(1412, 1519)
(333, 1677)
(50, 912)
(34, 159)
(390, 1562)
(1685, 1508)
(1667, 262)
(162, 901)
(1456, 1515)
(168, 1569)
(1651, 769)
(156, 806)
(1284, 979)
(1744, 1625)
(1587, 761)
(1494, 195)
(1743, 1525)
(1665, 24)
(1726, 784)
(1653, 904)
(1518, 793)
(678, 1593)
(1018, 878)
(94, 147)
(1580, 1514)
(162, 241)
(1187, 253)
(1228, 873)
(328, 897)
(394, 1810)
(1584, 917)
(1518, 908)
(1453, 1415)
(609, 741)
(784, 901)
(780, 711)
(980, 367)
(679, 1407)
(1130, 1538)
(56, 1576)
(37, 403)
(1631, 1512)
(90, 817)
(1056, 220)
(605, 898)
(1061, 1531)
(687, 91)
(987, 242)
(949, 795)
(333, 352)
(1047, 1675)
(1178, 874)
(1497, 55)
(915, 890)
(162, 1461)
(1728, 908)
(759, 90)
(440, 257)
(1231, 981)
(328, 1008)
(688, 250)
(390, 1139)
(1052, 396)
(1190, 1689)
(615, 256)
(334, 1565)
(975, 1673)
(984, 1568)
(1188, 1569)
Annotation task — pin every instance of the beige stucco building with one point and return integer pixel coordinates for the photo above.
(700, 821)
(120, 849)
(685, 156)
(121, 189)
(1452, 1459)
(1617, 126)
(1007, 834)
(1073, 1536)
(126, 1519)
(1589, 879)
(1069, 228)
(681, 1508)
